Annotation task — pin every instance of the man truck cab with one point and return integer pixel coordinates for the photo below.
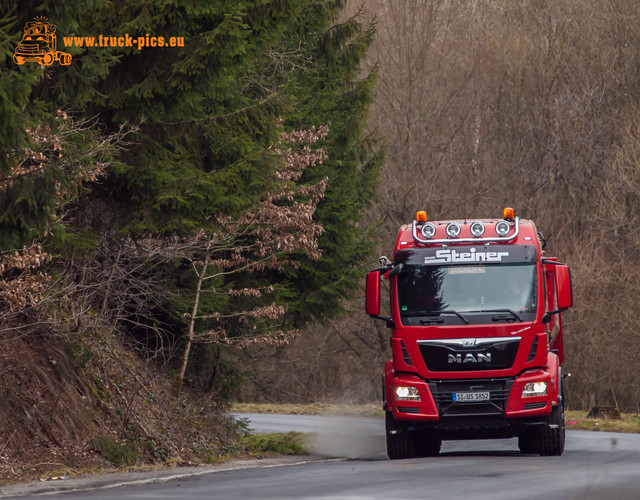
(477, 342)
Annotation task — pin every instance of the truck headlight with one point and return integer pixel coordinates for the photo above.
(534, 389)
(404, 393)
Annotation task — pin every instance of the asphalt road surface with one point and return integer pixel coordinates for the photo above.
(595, 465)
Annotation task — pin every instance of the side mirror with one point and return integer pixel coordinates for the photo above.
(373, 297)
(373, 293)
(563, 287)
(563, 291)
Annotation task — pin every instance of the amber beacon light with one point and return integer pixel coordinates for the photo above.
(509, 213)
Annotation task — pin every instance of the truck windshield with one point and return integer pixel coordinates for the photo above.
(427, 290)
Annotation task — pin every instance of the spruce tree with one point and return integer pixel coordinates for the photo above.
(326, 86)
(46, 153)
(207, 116)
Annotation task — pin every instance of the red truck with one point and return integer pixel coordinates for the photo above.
(477, 342)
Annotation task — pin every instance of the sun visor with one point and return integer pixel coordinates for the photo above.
(481, 254)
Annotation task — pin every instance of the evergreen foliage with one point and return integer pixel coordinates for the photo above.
(205, 142)
(47, 155)
(331, 91)
(207, 117)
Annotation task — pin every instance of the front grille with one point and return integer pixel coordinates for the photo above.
(443, 390)
(452, 355)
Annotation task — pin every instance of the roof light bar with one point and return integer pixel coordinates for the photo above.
(505, 228)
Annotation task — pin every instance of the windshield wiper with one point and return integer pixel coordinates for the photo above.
(496, 318)
(438, 313)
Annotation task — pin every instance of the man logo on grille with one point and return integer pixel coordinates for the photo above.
(470, 358)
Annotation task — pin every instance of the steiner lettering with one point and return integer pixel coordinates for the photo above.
(446, 256)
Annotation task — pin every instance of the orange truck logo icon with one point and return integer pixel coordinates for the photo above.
(39, 44)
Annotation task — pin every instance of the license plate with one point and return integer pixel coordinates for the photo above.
(471, 396)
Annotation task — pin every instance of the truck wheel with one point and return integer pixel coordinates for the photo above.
(527, 443)
(428, 446)
(18, 60)
(551, 436)
(400, 444)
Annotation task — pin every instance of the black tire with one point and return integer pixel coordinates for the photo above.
(428, 446)
(551, 436)
(527, 443)
(400, 444)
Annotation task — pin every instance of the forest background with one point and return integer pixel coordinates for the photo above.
(482, 105)
(181, 227)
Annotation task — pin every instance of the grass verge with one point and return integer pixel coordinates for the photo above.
(280, 443)
(362, 410)
(577, 420)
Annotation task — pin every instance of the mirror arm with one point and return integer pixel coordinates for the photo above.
(389, 321)
(546, 317)
(384, 269)
(548, 262)
(395, 270)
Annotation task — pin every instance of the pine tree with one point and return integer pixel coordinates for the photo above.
(47, 155)
(208, 116)
(326, 86)
(204, 142)
(211, 119)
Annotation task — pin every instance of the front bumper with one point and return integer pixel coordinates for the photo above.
(437, 398)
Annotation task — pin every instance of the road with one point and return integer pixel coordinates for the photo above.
(595, 465)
